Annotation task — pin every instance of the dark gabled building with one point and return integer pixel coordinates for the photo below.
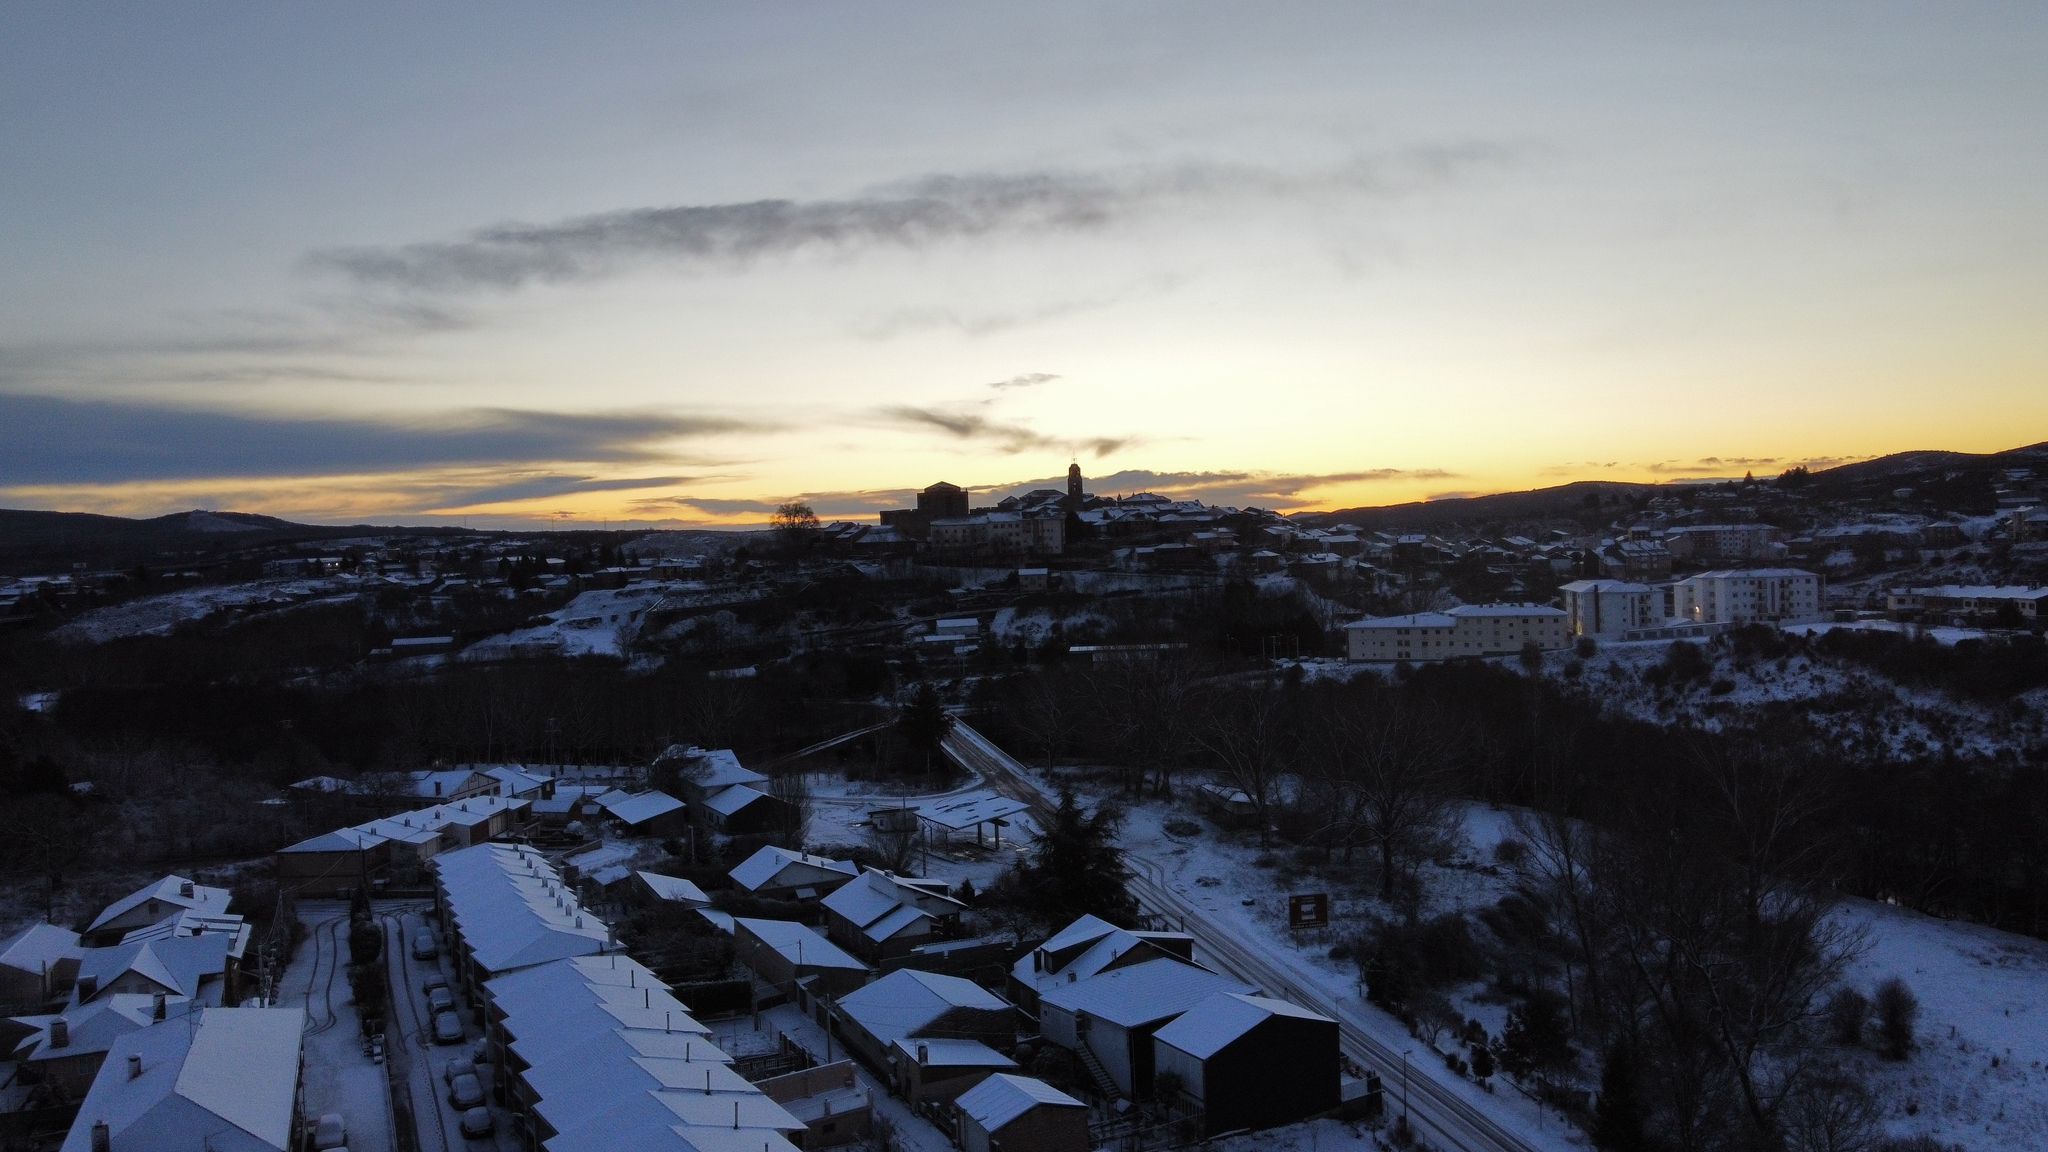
(1250, 1061)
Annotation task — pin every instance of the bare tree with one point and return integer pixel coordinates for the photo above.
(793, 819)
(1395, 781)
(1246, 729)
(795, 525)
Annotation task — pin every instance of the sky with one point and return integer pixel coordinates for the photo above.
(677, 263)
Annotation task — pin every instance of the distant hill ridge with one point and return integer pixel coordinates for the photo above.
(39, 541)
(1898, 468)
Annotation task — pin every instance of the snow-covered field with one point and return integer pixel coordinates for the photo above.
(1980, 1075)
(599, 623)
(158, 615)
(1858, 705)
(1983, 993)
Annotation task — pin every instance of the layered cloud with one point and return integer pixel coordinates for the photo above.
(971, 424)
(52, 441)
(907, 215)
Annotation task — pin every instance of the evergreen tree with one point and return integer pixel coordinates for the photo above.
(924, 722)
(1077, 868)
(1535, 1039)
(1618, 1117)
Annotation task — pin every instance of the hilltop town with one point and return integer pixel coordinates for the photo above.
(1069, 821)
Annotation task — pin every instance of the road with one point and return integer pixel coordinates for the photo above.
(419, 1060)
(1439, 1112)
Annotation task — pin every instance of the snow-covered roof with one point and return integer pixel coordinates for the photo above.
(1752, 573)
(1982, 592)
(876, 895)
(169, 892)
(1142, 993)
(1604, 586)
(940, 1052)
(1205, 1029)
(731, 800)
(959, 813)
(94, 1027)
(907, 1000)
(516, 781)
(639, 808)
(39, 947)
(673, 888)
(237, 1067)
(616, 1062)
(1412, 620)
(713, 768)
(1001, 1098)
(512, 909)
(799, 944)
(176, 964)
(757, 871)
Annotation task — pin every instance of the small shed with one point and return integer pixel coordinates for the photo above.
(1009, 1112)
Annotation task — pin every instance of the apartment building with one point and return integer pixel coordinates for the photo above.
(1611, 608)
(1746, 596)
(1467, 630)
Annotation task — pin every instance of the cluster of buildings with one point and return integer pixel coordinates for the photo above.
(129, 1030)
(1605, 608)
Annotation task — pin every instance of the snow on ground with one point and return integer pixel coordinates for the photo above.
(1314, 1136)
(1218, 873)
(839, 812)
(158, 615)
(1980, 990)
(1035, 626)
(337, 1076)
(597, 623)
(744, 1035)
(1853, 703)
(1980, 993)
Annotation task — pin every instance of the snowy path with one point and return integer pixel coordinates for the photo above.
(1446, 1111)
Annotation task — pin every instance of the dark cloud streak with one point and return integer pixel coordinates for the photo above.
(910, 215)
(48, 440)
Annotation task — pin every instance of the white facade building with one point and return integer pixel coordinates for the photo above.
(1610, 607)
(1000, 534)
(1716, 542)
(1745, 596)
(1467, 630)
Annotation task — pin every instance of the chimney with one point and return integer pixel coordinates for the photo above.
(60, 1033)
(437, 787)
(102, 1137)
(134, 1066)
(88, 987)
(157, 1007)
(924, 1054)
(185, 889)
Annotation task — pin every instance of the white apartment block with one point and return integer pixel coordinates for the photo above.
(999, 534)
(1970, 600)
(1467, 630)
(1717, 542)
(1749, 595)
(1611, 607)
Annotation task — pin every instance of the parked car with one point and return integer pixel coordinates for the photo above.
(477, 1122)
(440, 1000)
(330, 1132)
(460, 1066)
(447, 1028)
(424, 946)
(434, 980)
(466, 1091)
